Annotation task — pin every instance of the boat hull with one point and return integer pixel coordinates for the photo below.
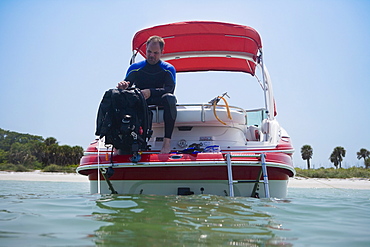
(277, 188)
(186, 174)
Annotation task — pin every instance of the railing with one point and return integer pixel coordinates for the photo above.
(263, 171)
(203, 108)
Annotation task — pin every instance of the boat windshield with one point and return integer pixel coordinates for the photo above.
(255, 117)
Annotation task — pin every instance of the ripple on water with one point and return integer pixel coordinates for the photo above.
(65, 214)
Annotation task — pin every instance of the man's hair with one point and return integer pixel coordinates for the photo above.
(156, 39)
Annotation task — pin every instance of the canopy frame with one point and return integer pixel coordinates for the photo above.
(204, 46)
(210, 46)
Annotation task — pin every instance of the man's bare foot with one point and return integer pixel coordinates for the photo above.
(166, 148)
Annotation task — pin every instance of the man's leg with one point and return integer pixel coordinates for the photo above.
(169, 115)
(166, 147)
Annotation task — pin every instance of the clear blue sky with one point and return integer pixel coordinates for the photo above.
(58, 57)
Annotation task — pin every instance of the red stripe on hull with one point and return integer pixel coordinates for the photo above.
(191, 173)
(280, 158)
(190, 166)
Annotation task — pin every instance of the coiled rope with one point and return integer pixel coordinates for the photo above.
(214, 104)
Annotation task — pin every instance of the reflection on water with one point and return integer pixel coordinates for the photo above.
(184, 221)
(65, 214)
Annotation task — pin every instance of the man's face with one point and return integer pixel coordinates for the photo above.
(153, 53)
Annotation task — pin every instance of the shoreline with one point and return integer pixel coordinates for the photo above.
(43, 176)
(336, 183)
(296, 182)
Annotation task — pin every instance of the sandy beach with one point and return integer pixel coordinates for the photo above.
(296, 182)
(43, 176)
(348, 183)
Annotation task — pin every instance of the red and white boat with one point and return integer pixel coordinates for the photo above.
(235, 152)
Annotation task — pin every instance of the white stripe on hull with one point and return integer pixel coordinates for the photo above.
(278, 188)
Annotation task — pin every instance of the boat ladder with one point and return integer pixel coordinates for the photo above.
(256, 182)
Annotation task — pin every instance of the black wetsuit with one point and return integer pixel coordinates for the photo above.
(161, 80)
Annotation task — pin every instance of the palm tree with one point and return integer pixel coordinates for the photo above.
(367, 162)
(50, 141)
(306, 153)
(337, 155)
(363, 154)
(77, 153)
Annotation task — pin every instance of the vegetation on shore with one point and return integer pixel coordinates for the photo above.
(25, 152)
(336, 157)
(353, 172)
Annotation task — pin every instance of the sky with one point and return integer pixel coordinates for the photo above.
(57, 58)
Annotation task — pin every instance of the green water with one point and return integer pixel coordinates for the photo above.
(65, 214)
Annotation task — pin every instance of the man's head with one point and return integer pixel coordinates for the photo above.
(154, 49)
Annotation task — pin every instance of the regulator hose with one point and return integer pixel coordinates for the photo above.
(214, 104)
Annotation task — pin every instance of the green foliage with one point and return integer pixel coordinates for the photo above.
(337, 156)
(21, 154)
(37, 165)
(353, 172)
(8, 138)
(364, 154)
(367, 162)
(21, 168)
(7, 167)
(56, 168)
(33, 152)
(3, 156)
(306, 153)
(14, 168)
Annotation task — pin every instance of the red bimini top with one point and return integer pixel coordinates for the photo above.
(204, 46)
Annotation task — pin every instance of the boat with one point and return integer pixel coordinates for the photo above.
(217, 148)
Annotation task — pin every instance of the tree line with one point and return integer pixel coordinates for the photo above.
(336, 157)
(36, 152)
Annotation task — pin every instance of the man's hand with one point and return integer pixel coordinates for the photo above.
(146, 93)
(123, 85)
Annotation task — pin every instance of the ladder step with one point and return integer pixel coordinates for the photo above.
(262, 172)
(247, 181)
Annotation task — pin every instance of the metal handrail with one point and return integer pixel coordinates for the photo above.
(203, 107)
(231, 181)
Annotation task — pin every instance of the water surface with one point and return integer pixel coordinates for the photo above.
(65, 214)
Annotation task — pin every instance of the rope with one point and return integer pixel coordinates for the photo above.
(99, 166)
(227, 109)
(321, 182)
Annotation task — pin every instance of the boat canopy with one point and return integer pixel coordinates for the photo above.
(204, 46)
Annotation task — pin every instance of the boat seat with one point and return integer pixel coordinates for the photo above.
(253, 133)
(156, 109)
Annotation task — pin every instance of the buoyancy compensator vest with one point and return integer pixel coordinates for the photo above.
(125, 121)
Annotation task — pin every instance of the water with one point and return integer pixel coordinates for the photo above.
(65, 214)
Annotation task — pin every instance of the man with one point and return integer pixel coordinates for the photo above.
(156, 80)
